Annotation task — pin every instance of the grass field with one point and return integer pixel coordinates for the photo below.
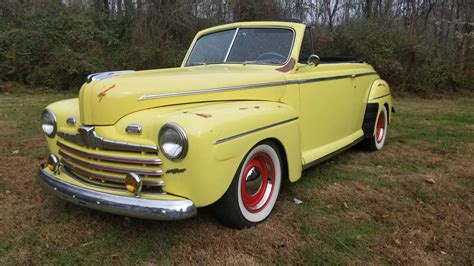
(411, 203)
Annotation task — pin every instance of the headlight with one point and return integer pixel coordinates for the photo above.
(173, 141)
(48, 123)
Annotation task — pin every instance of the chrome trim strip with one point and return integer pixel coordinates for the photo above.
(105, 75)
(231, 44)
(193, 92)
(250, 86)
(89, 138)
(75, 169)
(108, 158)
(121, 205)
(366, 74)
(330, 78)
(253, 131)
(370, 99)
(113, 169)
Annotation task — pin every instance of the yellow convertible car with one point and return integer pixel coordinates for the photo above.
(251, 105)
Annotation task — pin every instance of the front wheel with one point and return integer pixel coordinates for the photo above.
(254, 190)
(377, 140)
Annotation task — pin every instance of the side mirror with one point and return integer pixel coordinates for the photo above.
(313, 60)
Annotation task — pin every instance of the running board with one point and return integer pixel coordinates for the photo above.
(332, 154)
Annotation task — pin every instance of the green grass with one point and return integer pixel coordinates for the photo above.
(339, 244)
(20, 112)
(113, 246)
(356, 206)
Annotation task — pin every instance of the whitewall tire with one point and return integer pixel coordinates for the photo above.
(254, 190)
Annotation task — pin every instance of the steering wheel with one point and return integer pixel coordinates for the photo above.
(280, 58)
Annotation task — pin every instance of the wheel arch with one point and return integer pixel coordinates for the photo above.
(283, 156)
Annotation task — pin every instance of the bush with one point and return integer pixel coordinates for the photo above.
(408, 61)
(58, 47)
(54, 47)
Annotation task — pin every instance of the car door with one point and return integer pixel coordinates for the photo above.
(326, 108)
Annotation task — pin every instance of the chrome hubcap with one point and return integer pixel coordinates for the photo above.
(253, 181)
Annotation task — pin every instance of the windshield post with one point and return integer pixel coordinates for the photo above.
(231, 44)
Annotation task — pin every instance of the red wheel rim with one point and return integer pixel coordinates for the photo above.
(380, 131)
(257, 182)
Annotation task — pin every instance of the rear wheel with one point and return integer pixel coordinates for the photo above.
(377, 140)
(254, 190)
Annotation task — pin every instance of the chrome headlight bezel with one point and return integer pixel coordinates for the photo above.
(48, 118)
(183, 141)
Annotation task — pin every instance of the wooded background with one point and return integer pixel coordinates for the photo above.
(417, 45)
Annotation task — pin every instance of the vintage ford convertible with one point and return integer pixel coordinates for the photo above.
(250, 106)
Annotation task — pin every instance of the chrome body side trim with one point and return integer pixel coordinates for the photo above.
(250, 86)
(89, 138)
(113, 169)
(303, 81)
(253, 131)
(194, 92)
(121, 205)
(375, 98)
(105, 75)
(366, 74)
(109, 158)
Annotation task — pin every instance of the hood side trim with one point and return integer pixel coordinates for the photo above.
(193, 92)
(250, 86)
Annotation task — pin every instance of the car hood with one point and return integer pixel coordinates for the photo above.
(104, 102)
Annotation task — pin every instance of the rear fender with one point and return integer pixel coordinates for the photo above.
(379, 96)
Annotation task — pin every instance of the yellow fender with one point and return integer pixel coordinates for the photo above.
(220, 134)
(379, 96)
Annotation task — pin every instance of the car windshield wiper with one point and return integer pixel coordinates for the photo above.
(197, 64)
(263, 62)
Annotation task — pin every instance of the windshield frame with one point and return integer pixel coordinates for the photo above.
(231, 45)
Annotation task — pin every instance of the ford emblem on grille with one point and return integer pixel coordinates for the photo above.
(87, 135)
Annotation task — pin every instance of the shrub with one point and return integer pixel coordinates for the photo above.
(408, 61)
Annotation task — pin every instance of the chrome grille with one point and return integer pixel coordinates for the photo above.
(109, 168)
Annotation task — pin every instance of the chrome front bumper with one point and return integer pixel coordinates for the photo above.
(121, 205)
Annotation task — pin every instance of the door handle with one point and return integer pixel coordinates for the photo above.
(353, 76)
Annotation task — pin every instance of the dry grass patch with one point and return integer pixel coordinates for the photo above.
(410, 203)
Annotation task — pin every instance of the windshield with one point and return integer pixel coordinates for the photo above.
(243, 45)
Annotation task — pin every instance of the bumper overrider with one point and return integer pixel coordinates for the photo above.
(116, 204)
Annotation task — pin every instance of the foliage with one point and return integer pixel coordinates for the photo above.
(57, 43)
(409, 62)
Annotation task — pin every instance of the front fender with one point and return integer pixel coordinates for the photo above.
(220, 135)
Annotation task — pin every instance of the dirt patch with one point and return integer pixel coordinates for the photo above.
(470, 128)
